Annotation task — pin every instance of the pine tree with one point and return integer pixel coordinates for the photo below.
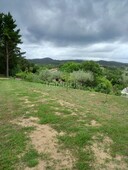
(9, 40)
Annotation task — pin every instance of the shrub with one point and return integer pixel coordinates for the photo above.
(104, 85)
(32, 77)
(93, 67)
(15, 70)
(81, 78)
(56, 75)
(114, 75)
(125, 79)
(45, 75)
(70, 67)
(28, 76)
(21, 75)
(117, 89)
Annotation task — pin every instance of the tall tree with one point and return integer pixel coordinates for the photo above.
(9, 40)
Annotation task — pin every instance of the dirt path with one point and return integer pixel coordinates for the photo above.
(44, 140)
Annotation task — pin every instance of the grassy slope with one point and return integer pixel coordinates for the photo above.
(77, 109)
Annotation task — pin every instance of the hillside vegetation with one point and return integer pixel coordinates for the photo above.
(86, 76)
(48, 127)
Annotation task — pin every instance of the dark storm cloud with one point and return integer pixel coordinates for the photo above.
(71, 23)
(74, 22)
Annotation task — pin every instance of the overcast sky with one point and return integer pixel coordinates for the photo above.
(72, 29)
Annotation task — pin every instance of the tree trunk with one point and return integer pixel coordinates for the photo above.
(7, 60)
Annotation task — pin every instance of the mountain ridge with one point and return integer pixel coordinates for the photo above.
(47, 61)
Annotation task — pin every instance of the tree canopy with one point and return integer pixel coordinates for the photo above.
(10, 38)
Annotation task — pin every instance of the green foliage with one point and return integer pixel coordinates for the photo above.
(21, 75)
(15, 138)
(10, 38)
(56, 75)
(117, 88)
(32, 77)
(15, 70)
(46, 115)
(125, 78)
(81, 78)
(33, 68)
(45, 75)
(25, 65)
(81, 139)
(104, 85)
(114, 75)
(70, 67)
(31, 158)
(28, 76)
(93, 67)
(105, 80)
(51, 75)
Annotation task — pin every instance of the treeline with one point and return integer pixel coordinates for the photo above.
(11, 57)
(86, 75)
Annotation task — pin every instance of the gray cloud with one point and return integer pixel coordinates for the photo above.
(72, 23)
(79, 22)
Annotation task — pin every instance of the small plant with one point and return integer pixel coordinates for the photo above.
(31, 158)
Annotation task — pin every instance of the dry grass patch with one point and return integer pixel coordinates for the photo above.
(102, 156)
(94, 123)
(67, 104)
(44, 140)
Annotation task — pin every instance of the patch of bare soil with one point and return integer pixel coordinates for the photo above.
(58, 113)
(67, 104)
(40, 92)
(74, 114)
(30, 105)
(36, 91)
(41, 100)
(23, 98)
(44, 140)
(41, 166)
(27, 103)
(93, 123)
(92, 94)
(103, 158)
(62, 133)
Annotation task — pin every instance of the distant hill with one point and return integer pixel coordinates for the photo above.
(47, 61)
(44, 61)
(112, 63)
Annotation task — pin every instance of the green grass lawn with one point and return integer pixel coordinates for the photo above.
(95, 132)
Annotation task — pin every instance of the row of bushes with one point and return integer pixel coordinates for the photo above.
(76, 79)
